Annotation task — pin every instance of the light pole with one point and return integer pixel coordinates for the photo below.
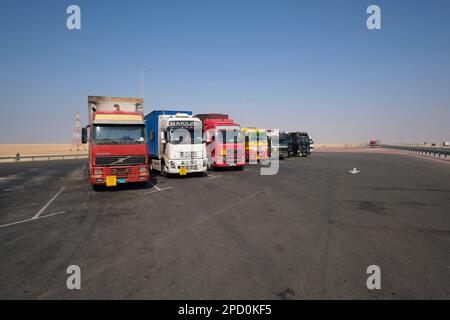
(142, 80)
(443, 106)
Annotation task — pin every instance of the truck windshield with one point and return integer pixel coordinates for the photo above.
(118, 134)
(262, 137)
(185, 135)
(229, 134)
(303, 139)
(274, 139)
(283, 140)
(252, 136)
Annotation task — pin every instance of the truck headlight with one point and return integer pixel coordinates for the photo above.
(172, 164)
(204, 163)
(98, 171)
(142, 170)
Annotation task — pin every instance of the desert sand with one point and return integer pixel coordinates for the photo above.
(38, 149)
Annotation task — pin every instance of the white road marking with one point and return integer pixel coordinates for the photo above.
(158, 189)
(210, 177)
(48, 203)
(7, 178)
(31, 219)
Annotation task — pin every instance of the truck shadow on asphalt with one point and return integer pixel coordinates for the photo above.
(129, 186)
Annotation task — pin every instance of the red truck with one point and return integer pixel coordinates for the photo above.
(373, 143)
(117, 141)
(224, 141)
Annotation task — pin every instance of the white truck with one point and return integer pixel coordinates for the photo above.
(175, 142)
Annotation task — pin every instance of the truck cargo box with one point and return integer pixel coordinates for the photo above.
(204, 116)
(113, 104)
(152, 128)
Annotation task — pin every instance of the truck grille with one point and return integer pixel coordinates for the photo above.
(120, 160)
(119, 172)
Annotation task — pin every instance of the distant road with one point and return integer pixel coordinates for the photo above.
(308, 232)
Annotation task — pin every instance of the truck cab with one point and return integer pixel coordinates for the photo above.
(302, 143)
(117, 141)
(256, 144)
(278, 143)
(175, 142)
(224, 141)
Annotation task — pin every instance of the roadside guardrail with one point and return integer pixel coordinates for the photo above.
(44, 157)
(428, 151)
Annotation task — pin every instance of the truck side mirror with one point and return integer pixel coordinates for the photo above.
(83, 135)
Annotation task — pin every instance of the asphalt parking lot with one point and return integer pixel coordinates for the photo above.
(308, 232)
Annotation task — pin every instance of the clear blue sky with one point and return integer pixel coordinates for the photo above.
(310, 65)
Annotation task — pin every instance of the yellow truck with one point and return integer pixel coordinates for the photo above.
(256, 144)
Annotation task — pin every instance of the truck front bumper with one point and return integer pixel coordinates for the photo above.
(229, 161)
(191, 165)
(123, 174)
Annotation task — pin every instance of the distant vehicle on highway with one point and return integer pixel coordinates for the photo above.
(175, 142)
(302, 143)
(446, 144)
(118, 146)
(224, 141)
(373, 143)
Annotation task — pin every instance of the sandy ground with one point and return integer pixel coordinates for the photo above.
(38, 149)
(337, 146)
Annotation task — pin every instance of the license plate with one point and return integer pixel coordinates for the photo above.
(111, 181)
(183, 171)
(123, 180)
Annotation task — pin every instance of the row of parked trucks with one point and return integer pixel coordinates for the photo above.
(125, 145)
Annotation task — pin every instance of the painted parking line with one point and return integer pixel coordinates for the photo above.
(158, 189)
(211, 176)
(31, 219)
(49, 202)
